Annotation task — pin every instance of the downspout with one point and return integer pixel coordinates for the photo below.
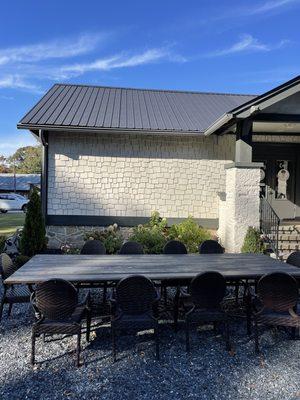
(44, 173)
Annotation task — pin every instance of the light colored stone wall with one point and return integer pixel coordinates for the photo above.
(132, 175)
(241, 208)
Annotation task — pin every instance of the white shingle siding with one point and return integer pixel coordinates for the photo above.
(132, 175)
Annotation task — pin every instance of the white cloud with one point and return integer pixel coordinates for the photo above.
(18, 82)
(50, 50)
(270, 6)
(247, 43)
(123, 60)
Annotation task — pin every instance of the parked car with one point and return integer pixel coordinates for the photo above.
(12, 202)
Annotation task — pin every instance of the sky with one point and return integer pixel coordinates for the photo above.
(213, 46)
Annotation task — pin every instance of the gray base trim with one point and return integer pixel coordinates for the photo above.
(93, 220)
(248, 165)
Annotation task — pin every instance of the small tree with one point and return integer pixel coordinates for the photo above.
(33, 238)
(252, 242)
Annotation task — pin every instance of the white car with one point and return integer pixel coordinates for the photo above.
(12, 202)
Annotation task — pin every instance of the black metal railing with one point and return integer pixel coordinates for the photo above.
(269, 224)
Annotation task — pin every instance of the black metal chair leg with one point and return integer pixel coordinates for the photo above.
(256, 335)
(237, 287)
(176, 309)
(156, 333)
(165, 296)
(78, 350)
(105, 293)
(114, 347)
(88, 326)
(1, 307)
(187, 336)
(32, 359)
(9, 309)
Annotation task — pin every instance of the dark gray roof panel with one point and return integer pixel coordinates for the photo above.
(96, 107)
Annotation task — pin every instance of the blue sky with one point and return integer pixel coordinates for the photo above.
(222, 46)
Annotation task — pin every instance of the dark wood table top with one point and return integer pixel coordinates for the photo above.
(94, 268)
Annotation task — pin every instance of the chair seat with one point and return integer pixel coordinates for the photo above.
(278, 318)
(135, 322)
(18, 293)
(69, 325)
(199, 315)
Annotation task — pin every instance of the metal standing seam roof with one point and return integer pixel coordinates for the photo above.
(23, 181)
(96, 107)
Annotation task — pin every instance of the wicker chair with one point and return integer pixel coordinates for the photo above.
(92, 247)
(175, 247)
(203, 303)
(210, 247)
(56, 304)
(294, 259)
(11, 293)
(134, 308)
(131, 248)
(276, 302)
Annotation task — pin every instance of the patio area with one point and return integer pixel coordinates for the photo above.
(209, 372)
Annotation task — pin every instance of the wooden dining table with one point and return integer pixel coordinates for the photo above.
(158, 267)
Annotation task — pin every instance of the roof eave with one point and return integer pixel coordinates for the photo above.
(35, 129)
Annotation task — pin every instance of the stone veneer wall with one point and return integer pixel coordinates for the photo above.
(132, 175)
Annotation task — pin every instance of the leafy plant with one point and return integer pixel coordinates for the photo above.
(2, 243)
(253, 242)
(110, 237)
(69, 249)
(33, 239)
(153, 235)
(190, 233)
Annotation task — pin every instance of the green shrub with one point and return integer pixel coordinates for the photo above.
(153, 235)
(110, 237)
(21, 260)
(190, 233)
(2, 243)
(253, 242)
(33, 238)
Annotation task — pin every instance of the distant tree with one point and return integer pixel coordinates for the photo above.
(33, 238)
(3, 165)
(26, 160)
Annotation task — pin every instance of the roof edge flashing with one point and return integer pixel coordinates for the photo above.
(219, 123)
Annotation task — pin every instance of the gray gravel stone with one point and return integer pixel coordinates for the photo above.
(209, 372)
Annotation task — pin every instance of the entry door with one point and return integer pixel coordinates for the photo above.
(281, 177)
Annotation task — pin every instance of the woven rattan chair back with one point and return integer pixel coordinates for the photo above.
(135, 295)
(131, 248)
(210, 247)
(56, 299)
(294, 259)
(208, 289)
(7, 266)
(93, 247)
(175, 247)
(278, 291)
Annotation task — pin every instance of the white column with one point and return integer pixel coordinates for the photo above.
(241, 208)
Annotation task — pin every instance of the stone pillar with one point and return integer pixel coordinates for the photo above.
(241, 207)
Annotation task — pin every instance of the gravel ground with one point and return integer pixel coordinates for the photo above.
(209, 372)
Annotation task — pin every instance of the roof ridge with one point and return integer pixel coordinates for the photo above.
(156, 90)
